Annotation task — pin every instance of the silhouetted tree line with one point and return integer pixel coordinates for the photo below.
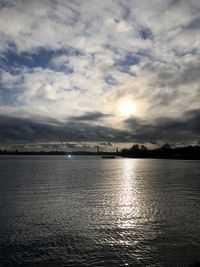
(166, 151)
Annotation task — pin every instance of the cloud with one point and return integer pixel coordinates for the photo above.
(110, 80)
(124, 64)
(160, 130)
(90, 116)
(106, 144)
(18, 129)
(145, 33)
(165, 129)
(55, 63)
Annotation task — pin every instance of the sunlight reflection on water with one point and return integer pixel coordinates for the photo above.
(128, 194)
(87, 211)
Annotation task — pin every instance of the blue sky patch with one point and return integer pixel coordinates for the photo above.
(39, 58)
(145, 33)
(110, 80)
(126, 62)
(7, 97)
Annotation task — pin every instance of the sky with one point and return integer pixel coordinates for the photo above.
(66, 68)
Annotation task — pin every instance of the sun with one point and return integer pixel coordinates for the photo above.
(127, 107)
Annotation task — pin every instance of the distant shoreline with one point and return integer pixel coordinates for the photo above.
(136, 151)
(93, 154)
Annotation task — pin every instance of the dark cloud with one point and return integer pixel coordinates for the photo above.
(162, 129)
(90, 116)
(165, 129)
(145, 33)
(194, 24)
(18, 129)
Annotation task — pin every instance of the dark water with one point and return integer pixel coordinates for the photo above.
(88, 211)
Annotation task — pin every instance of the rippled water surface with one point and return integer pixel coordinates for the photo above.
(88, 211)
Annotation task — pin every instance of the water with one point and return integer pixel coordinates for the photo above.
(88, 211)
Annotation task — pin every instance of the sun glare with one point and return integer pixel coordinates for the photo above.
(126, 108)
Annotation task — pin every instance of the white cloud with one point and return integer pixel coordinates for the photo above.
(101, 34)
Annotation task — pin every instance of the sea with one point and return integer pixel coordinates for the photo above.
(88, 211)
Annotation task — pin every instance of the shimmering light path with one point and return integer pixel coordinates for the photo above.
(88, 211)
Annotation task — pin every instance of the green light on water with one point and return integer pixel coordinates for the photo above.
(69, 156)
